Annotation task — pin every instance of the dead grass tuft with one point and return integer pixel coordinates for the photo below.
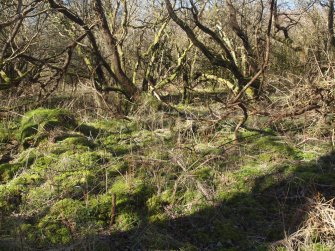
(318, 230)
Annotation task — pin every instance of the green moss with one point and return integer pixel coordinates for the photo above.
(245, 135)
(127, 139)
(38, 116)
(84, 159)
(275, 145)
(76, 166)
(155, 206)
(167, 196)
(73, 142)
(154, 203)
(78, 141)
(120, 144)
(115, 126)
(74, 184)
(43, 163)
(71, 172)
(117, 146)
(116, 168)
(29, 231)
(8, 131)
(67, 218)
(11, 193)
(187, 108)
(7, 171)
(321, 247)
(69, 209)
(157, 217)
(311, 247)
(227, 232)
(88, 131)
(27, 157)
(310, 173)
(100, 208)
(53, 231)
(240, 181)
(205, 149)
(193, 198)
(164, 134)
(127, 221)
(126, 186)
(249, 173)
(269, 147)
(67, 171)
(4, 135)
(34, 200)
(131, 194)
(158, 152)
(121, 149)
(203, 173)
(36, 122)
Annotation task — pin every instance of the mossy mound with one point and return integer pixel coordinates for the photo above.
(36, 124)
(114, 126)
(72, 142)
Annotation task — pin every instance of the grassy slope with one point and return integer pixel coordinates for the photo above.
(178, 184)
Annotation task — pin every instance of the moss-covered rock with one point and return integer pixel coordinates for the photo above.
(114, 126)
(78, 140)
(36, 124)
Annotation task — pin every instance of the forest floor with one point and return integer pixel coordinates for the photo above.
(153, 181)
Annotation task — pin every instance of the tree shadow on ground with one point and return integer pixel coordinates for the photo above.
(275, 205)
(247, 221)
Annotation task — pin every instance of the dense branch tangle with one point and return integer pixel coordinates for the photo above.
(225, 59)
(12, 71)
(108, 66)
(111, 60)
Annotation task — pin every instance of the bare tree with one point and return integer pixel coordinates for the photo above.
(226, 58)
(16, 40)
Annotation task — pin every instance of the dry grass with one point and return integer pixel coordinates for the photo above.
(318, 230)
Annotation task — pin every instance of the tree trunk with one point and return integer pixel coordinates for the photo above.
(126, 84)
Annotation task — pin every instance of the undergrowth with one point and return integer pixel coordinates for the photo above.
(179, 184)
